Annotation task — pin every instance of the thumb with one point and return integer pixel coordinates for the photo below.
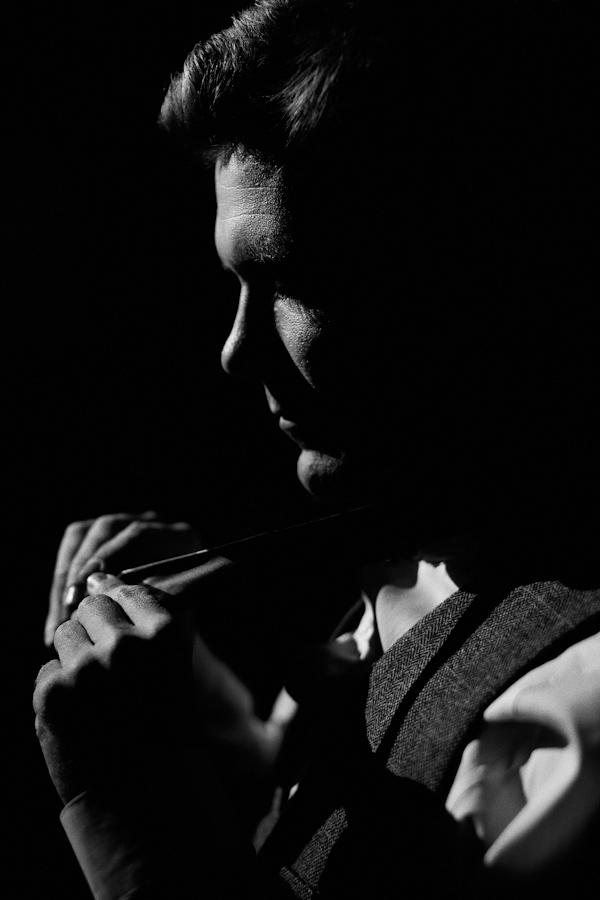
(100, 582)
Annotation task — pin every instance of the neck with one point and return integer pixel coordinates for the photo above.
(401, 592)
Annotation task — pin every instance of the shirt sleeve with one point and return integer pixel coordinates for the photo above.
(169, 836)
(530, 781)
(114, 861)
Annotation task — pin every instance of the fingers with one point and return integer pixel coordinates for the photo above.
(139, 542)
(94, 543)
(75, 592)
(102, 583)
(70, 640)
(49, 673)
(119, 541)
(46, 672)
(81, 552)
(101, 617)
(140, 602)
(72, 539)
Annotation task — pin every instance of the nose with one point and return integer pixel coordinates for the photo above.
(234, 346)
(240, 352)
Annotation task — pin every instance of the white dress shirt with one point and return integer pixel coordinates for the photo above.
(530, 781)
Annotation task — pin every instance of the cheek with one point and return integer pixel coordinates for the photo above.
(304, 334)
(336, 354)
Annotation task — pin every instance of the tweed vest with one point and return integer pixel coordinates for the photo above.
(368, 818)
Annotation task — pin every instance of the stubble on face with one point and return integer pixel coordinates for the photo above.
(324, 327)
(279, 333)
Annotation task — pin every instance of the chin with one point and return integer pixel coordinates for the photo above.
(317, 472)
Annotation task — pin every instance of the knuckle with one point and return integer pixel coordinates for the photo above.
(64, 630)
(40, 700)
(136, 528)
(131, 592)
(48, 692)
(74, 529)
(159, 627)
(87, 603)
(41, 687)
(46, 671)
(109, 647)
(41, 729)
(159, 597)
(104, 521)
(59, 692)
(137, 592)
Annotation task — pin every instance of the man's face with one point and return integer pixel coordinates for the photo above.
(331, 332)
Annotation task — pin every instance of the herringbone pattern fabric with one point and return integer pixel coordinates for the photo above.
(425, 697)
(530, 620)
(396, 671)
(313, 858)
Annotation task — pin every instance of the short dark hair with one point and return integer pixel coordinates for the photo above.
(487, 109)
(483, 104)
(288, 73)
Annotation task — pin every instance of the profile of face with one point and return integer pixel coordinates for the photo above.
(329, 322)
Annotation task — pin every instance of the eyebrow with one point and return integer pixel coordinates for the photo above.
(250, 257)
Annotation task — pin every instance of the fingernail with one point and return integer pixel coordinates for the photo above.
(95, 579)
(48, 634)
(71, 597)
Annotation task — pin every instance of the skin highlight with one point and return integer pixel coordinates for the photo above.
(330, 342)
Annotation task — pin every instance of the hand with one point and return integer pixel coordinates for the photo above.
(134, 685)
(118, 702)
(111, 542)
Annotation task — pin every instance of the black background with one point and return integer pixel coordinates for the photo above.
(115, 313)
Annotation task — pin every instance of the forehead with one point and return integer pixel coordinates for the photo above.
(252, 218)
(266, 214)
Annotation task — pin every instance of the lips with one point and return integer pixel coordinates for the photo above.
(306, 427)
(287, 421)
(298, 433)
(313, 436)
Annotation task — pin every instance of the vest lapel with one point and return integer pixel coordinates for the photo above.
(425, 695)
(430, 689)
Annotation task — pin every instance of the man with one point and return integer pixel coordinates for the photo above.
(397, 196)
